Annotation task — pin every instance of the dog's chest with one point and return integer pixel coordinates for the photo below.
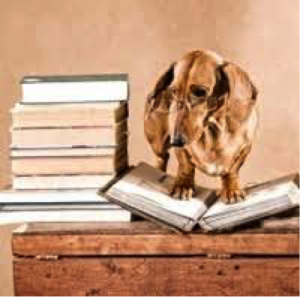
(214, 158)
(208, 161)
(215, 155)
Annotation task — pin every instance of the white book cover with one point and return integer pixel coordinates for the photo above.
(53, 196)
(76, 88)
(65, 216)
(21, 207)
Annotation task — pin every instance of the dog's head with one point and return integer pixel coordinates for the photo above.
(197, 87)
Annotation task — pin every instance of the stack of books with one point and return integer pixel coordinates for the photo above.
(69, 138)
(69, 132)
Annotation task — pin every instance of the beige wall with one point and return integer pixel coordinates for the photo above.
(142, 38)
(6, 267)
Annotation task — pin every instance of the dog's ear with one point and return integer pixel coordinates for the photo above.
(161, 85)
(240, 86)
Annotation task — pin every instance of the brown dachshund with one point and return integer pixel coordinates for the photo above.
(205, 108)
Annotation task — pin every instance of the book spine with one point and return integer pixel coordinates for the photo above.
(205, 226)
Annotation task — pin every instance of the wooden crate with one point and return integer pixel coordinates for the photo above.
(140, 258)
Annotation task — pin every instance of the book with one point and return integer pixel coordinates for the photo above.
(70, 152)
(75, 88)
(68, 115)
(264, 200)
(52, 182)
(58, 206)
(69, 165)
(65, 216)
(69, 137)
(51, 196)
(144, 190)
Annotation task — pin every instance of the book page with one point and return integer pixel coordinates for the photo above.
(188, 208)
(149, 185)
(257, 198)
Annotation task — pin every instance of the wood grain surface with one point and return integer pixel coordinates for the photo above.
(141, 258)
(145, 238)
(157, 276)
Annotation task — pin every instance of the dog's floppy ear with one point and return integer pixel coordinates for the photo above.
(161, 85)
(240, 86)
(220, 92)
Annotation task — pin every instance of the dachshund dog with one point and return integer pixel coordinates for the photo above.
(205, 108)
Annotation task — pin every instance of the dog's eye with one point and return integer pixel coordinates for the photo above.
(198, 91)
(198, 95)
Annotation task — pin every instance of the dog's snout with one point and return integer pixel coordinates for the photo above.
(178, 141)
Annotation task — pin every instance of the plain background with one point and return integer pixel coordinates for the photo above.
(142, 37)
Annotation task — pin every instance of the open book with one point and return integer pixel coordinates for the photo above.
(262, 201)
(144, 191)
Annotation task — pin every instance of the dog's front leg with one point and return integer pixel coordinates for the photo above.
(162, 162)
(184, 184)
(231, 191)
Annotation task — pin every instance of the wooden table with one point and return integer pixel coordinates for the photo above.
(140, 258)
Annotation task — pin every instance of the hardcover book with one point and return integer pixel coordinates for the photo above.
(50, 196)
(75, 88)
(71, 152)
(64, 216)
(58, 206)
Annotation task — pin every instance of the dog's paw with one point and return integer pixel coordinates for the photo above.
(183, 188)
(230, 196)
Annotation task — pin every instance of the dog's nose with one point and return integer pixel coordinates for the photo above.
(178, 141)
